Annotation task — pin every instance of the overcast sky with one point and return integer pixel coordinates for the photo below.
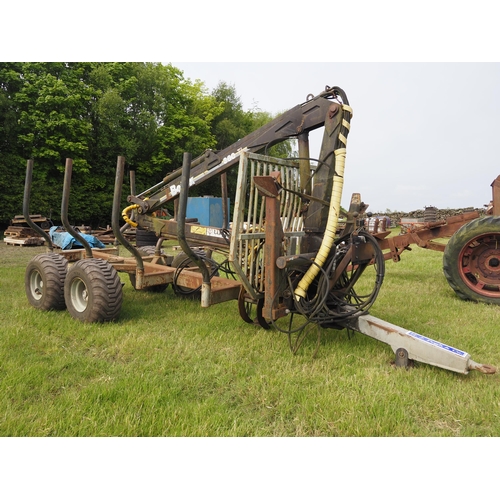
(422, 134)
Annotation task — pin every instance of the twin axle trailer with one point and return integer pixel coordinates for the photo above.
(282, 255)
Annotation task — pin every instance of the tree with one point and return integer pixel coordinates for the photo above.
(93, 112)
(50, 104)
(234, 123)
(231, 125)
(11, 154)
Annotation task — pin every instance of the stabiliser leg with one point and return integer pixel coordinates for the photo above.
(408, 345)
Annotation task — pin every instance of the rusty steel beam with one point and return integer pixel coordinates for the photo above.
(269, 187)
(423, 237)
(196, 234)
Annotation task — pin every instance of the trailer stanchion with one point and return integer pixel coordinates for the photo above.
(181, 232)
(115, 223)
(26, 206)
(68, 170)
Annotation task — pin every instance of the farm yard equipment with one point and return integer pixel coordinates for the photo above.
(471, 257)
(283, 257)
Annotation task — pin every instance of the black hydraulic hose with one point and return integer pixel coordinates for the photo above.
(68, 170)
(26, 205)
(341, 93)
(181, 219)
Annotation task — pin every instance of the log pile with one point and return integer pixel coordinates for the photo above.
(19, 233)
(420, 214)
(22, 236)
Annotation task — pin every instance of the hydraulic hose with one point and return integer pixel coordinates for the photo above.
(125, 216)
(334, 211)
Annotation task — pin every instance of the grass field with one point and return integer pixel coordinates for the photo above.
(168, 367)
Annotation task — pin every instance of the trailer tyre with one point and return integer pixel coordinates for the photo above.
(144, 238)
(93, 291)
(182, 259)
(471, 261)
(44, 281)
(149, 251)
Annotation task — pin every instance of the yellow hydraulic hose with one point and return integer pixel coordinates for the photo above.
(333, 215)
(126, 217)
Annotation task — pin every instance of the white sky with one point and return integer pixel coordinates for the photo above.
(424, 130)
(422, 133)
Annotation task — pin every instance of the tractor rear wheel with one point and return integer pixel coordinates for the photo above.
(93, 291)
(471, 261)
(44, 281)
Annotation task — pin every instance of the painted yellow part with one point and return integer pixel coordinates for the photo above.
(331, 227)
(345, 107)
(126, 217)
(198, 230)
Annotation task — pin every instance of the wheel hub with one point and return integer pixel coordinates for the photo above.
(36, 285)
(480, 264)
(494, 262)
(488, 263)
(79, 295)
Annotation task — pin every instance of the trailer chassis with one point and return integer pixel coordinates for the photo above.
(154, 270)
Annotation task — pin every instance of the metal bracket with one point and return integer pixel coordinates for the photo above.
(402, 360)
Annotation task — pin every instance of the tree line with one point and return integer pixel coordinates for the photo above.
(94, 112)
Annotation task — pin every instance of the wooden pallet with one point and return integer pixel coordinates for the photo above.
(19, 232)
(24, 241)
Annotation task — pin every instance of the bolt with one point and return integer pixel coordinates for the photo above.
(334, 109)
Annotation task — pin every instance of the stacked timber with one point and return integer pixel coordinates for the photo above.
(423, 214)
(19, 233)
(22, 236)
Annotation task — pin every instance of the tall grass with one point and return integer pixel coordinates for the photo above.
(168, 367)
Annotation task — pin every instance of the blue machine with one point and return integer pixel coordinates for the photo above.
(207, 209)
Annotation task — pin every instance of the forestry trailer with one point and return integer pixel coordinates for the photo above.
(283, 256)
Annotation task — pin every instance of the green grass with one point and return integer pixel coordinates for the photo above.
(168, 367)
